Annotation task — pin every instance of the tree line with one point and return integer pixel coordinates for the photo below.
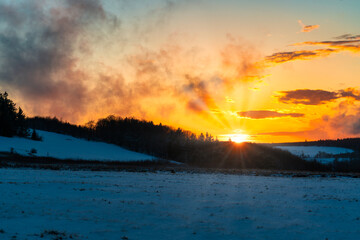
(351, 143)
(158, 140)
(177, 144)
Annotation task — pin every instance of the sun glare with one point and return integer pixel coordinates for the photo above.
(236, 137)
(240, 138)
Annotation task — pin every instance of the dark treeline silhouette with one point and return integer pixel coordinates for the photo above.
(12, 119)
(176, 144)
(351, 143)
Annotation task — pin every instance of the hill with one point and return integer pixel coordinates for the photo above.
(62, 146)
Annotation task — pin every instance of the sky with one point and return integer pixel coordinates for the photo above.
(264, 71)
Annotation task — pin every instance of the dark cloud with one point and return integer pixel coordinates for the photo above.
(350, 92)
(38, 47)
(315, 97)
(281, 57)
(261, 114)
(10, 14)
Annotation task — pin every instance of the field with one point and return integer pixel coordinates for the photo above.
(46, 204)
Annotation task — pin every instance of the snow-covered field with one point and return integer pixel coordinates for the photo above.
(311, 151)
(45, 204)
(64, 146)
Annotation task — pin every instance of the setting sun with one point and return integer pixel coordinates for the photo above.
(237, 137)
(240, 138)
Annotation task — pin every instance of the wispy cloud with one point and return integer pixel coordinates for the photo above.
(262, 114)
(316, 97)
(349, 37)
(241, 62)
(345, 42)
(307, 28)
(282, 57)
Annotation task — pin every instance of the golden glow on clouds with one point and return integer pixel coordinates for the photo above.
(184, 66)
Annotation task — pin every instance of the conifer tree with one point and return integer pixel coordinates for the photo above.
(12, 120)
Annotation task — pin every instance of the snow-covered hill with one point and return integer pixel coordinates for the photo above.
(67, 147)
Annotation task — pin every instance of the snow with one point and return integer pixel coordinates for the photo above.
(329, 160)
(67, 147)
(311, 151)
(128, 205)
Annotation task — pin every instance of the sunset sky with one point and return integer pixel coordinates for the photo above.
(268, 71)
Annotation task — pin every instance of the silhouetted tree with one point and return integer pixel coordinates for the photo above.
(12, 120)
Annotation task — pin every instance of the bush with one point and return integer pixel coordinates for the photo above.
(35, 136)
(33, 151)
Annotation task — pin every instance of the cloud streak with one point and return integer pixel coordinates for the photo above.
(345, 42)
(264, 114)
(282, 57)
(316, 97)
(349, 37)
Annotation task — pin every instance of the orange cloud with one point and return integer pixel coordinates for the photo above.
(261, 114)
(307, 28)
(240, 62)
(350, 43)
